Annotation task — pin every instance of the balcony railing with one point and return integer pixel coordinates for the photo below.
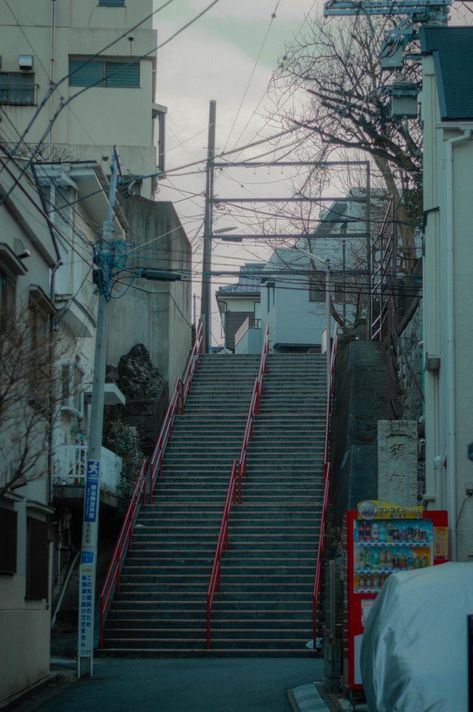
(18, 94)
(246, 326)
(70, 463)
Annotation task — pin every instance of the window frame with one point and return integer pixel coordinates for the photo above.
(317, 286)
(8, 541)
(21, 86)
(7, 297)
(37, 559)
(104, 63)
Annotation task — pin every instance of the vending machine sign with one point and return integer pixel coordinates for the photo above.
(380, 544)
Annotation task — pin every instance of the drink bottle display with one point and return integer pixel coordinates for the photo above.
(383, 547)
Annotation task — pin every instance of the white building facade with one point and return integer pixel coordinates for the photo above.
(52, 51)
(447, 112)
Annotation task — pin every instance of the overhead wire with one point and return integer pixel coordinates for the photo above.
(260, 52)
(81, 91)
(57, 84)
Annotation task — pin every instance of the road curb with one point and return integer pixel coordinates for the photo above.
(306, 698)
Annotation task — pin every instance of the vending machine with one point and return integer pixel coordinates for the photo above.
(383, 539)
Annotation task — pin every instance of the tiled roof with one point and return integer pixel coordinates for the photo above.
(249, 280)
(452, 50)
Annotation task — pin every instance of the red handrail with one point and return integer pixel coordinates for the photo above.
(236, 477)
(191, 364)
(252, 411)
(321, 541)
(176, 404)
(112, 579)
(222, 544)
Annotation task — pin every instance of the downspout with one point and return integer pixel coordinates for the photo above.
(52, 408)
(451, 376)
(51, 75)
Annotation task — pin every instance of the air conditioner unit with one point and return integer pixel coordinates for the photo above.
(25, 62)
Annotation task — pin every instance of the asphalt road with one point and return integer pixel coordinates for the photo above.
(185, 685)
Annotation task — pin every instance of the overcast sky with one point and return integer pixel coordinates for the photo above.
(215, 59)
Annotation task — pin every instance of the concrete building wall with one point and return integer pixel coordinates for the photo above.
(250, 343)
(298, 321)
(448, 337)
(24, 624)
(159, 313)
(100, 116)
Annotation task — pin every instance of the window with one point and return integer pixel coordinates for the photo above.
(84, 73)
(11, 267)
(112, 3)
(317, 281)
(17, 89)
(39, 372)
(8, 541)
(71, 387)
(37, 560)
(7, 298)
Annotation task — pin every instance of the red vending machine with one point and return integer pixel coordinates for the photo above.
(383, 539)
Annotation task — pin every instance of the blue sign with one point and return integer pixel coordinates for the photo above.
(87, 557)
(91, 500)
(93, 469)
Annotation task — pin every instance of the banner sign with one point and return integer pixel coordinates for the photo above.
(377, 509)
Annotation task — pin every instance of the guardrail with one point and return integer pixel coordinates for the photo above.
(235, 486)
(112, 579)
(150, 475)
(252, 411)
(326, 475)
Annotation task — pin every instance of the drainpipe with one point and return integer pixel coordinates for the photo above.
(51, 75)
(52, 413)
(451, 376)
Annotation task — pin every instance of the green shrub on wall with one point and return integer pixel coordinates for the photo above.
(124, 440)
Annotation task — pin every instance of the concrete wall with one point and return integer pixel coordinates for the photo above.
(24, 625)
(159, 313)
(365, 393)
(448, 335)
(100, 117)
(250, 343)
(293, 319)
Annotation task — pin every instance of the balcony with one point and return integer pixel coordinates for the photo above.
(17, 94)
(69, 467)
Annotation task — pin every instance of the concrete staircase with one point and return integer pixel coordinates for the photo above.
(264, 605)
(265, 601)
(161, 605)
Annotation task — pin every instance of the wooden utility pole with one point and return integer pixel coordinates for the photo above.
(206, 301)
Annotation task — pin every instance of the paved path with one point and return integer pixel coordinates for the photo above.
(187, 685)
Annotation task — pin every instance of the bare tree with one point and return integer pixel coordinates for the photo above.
(333, 78)
(29, 392)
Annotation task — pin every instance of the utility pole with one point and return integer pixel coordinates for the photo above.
(110, 257)
(206, 300)
(90, 518)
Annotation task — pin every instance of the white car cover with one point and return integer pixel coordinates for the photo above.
(414, 649)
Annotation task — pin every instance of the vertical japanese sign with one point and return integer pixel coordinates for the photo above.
(88, 559)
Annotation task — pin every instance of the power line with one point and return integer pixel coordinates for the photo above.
(66, 103)
(260, 52)
(57, 84)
